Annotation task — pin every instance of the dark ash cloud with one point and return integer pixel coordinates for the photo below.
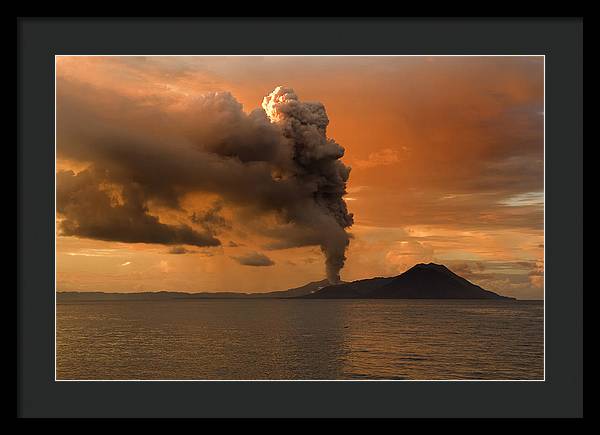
(276, 160)
(89, 211)
(211, 219)
(254, 259)
(178, 250)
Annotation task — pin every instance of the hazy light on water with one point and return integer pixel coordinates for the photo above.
(285, 339)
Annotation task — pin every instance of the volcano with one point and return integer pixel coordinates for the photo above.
(422, 281)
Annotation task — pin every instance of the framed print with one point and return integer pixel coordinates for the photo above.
(364, 218)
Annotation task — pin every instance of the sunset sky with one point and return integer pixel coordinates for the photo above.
(446, 156)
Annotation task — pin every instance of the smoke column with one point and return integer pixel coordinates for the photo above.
(317, 161)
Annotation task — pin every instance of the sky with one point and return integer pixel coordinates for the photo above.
(173, 175)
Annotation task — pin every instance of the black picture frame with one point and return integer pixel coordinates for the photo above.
(560, 40)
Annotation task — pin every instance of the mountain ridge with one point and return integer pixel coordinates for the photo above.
(75, 296)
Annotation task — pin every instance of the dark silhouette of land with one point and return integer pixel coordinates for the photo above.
(422, 281)
(166, 295)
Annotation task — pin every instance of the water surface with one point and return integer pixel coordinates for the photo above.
(300, 339)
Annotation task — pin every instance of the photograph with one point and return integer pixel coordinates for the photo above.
(262, 217)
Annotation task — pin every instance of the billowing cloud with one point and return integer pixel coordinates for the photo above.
(317, 164)
(276, 160)
(254, 259)
(90, 211)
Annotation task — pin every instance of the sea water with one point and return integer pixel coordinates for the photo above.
(291, 339)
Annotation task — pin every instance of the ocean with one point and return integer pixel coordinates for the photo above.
(291, 339)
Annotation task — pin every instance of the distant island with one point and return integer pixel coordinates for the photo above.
(422, 281)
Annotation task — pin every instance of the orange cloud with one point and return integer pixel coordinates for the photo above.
(383, 157)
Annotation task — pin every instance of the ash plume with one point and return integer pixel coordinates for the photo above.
(318, 165)
(274, 161)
